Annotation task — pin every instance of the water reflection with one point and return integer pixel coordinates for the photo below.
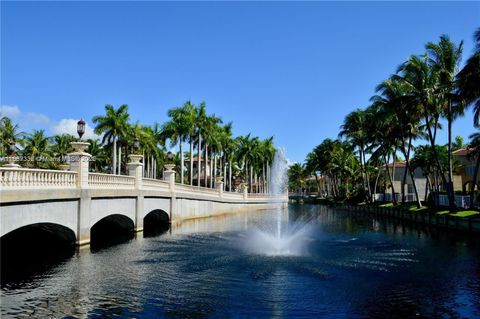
(356, 266)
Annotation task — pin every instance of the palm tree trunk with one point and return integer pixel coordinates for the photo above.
(114, 156)
(199, 168)
(437, 160)
(391, 177)
(215, 171)
(427, 188)
(224, 172)
(412, 177)
(206, 165)
(182, 159)
(450, 191)
(230, 175)
(119, 159)
(191, 160)
(251, 178)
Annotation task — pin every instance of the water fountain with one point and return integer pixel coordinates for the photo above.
(280, 238)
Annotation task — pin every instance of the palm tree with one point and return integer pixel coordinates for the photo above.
(99, 155)
(10, 134)
(61, 145)
(468, 80)
(37, 147)
(177, 130)
(200, 119)
(355, 129)
(444, 58)
(112, 125)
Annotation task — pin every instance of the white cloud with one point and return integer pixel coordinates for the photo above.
(69, 126)
(9, 110)
(28, 120)
(31, 120)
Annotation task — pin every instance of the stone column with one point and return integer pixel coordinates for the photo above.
(79, 162)
(169, 175)
(219, 185)
(11, 162)
(245, 191)
(135, 169)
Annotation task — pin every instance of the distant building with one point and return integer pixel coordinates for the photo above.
(398, 171)
(463, 179)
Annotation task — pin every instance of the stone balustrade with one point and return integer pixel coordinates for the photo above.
(155, 184)
(13, 177)
(98, 180)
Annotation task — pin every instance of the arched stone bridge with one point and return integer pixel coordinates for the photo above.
(77, 200)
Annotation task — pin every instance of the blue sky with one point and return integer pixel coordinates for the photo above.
(288, 69)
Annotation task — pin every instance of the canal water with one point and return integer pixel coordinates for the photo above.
(337, 264)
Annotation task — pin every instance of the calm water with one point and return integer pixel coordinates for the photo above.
(347, 266)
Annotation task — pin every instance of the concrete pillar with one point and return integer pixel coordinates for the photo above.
(219, 185)
(79, 162)
(83, 217)
(245, 190)
(169, 175)
(135, 169)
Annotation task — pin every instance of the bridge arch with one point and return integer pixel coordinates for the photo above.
(156, 222)
(110, 230)
(64, 213)
(34, 248)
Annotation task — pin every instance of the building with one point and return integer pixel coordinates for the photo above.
(465, 171)
(398, 171)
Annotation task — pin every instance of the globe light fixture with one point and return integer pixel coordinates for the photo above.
(170, 156)
(136, 144)
(81, 128)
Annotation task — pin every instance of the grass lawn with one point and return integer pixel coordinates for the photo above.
(412, 207)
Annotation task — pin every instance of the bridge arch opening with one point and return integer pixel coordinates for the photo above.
(155, 223)
(33, 249)
(111, 230)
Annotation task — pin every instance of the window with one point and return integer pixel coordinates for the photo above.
(470, 170)
(410, 189)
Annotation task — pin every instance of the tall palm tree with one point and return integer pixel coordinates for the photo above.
(354, 128)
(200, 119)
(468, 80)
(99, 155)
(177, 129)
(113, 124)
(61, 145)
(9, 134)
(37, 148)
(444, 59)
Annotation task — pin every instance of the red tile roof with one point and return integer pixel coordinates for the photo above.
(462, 151)
(398, 164)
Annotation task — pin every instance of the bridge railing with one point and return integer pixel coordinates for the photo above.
(99, 180)
(196, 189)
(36, 178)
(154, 184)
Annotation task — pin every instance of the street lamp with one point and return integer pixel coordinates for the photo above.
(12, 148)
(81, 128)
(136, 144)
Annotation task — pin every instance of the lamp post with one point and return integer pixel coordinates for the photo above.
(11, 158)
(80, 128)
(170, 157)
(136, 144)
